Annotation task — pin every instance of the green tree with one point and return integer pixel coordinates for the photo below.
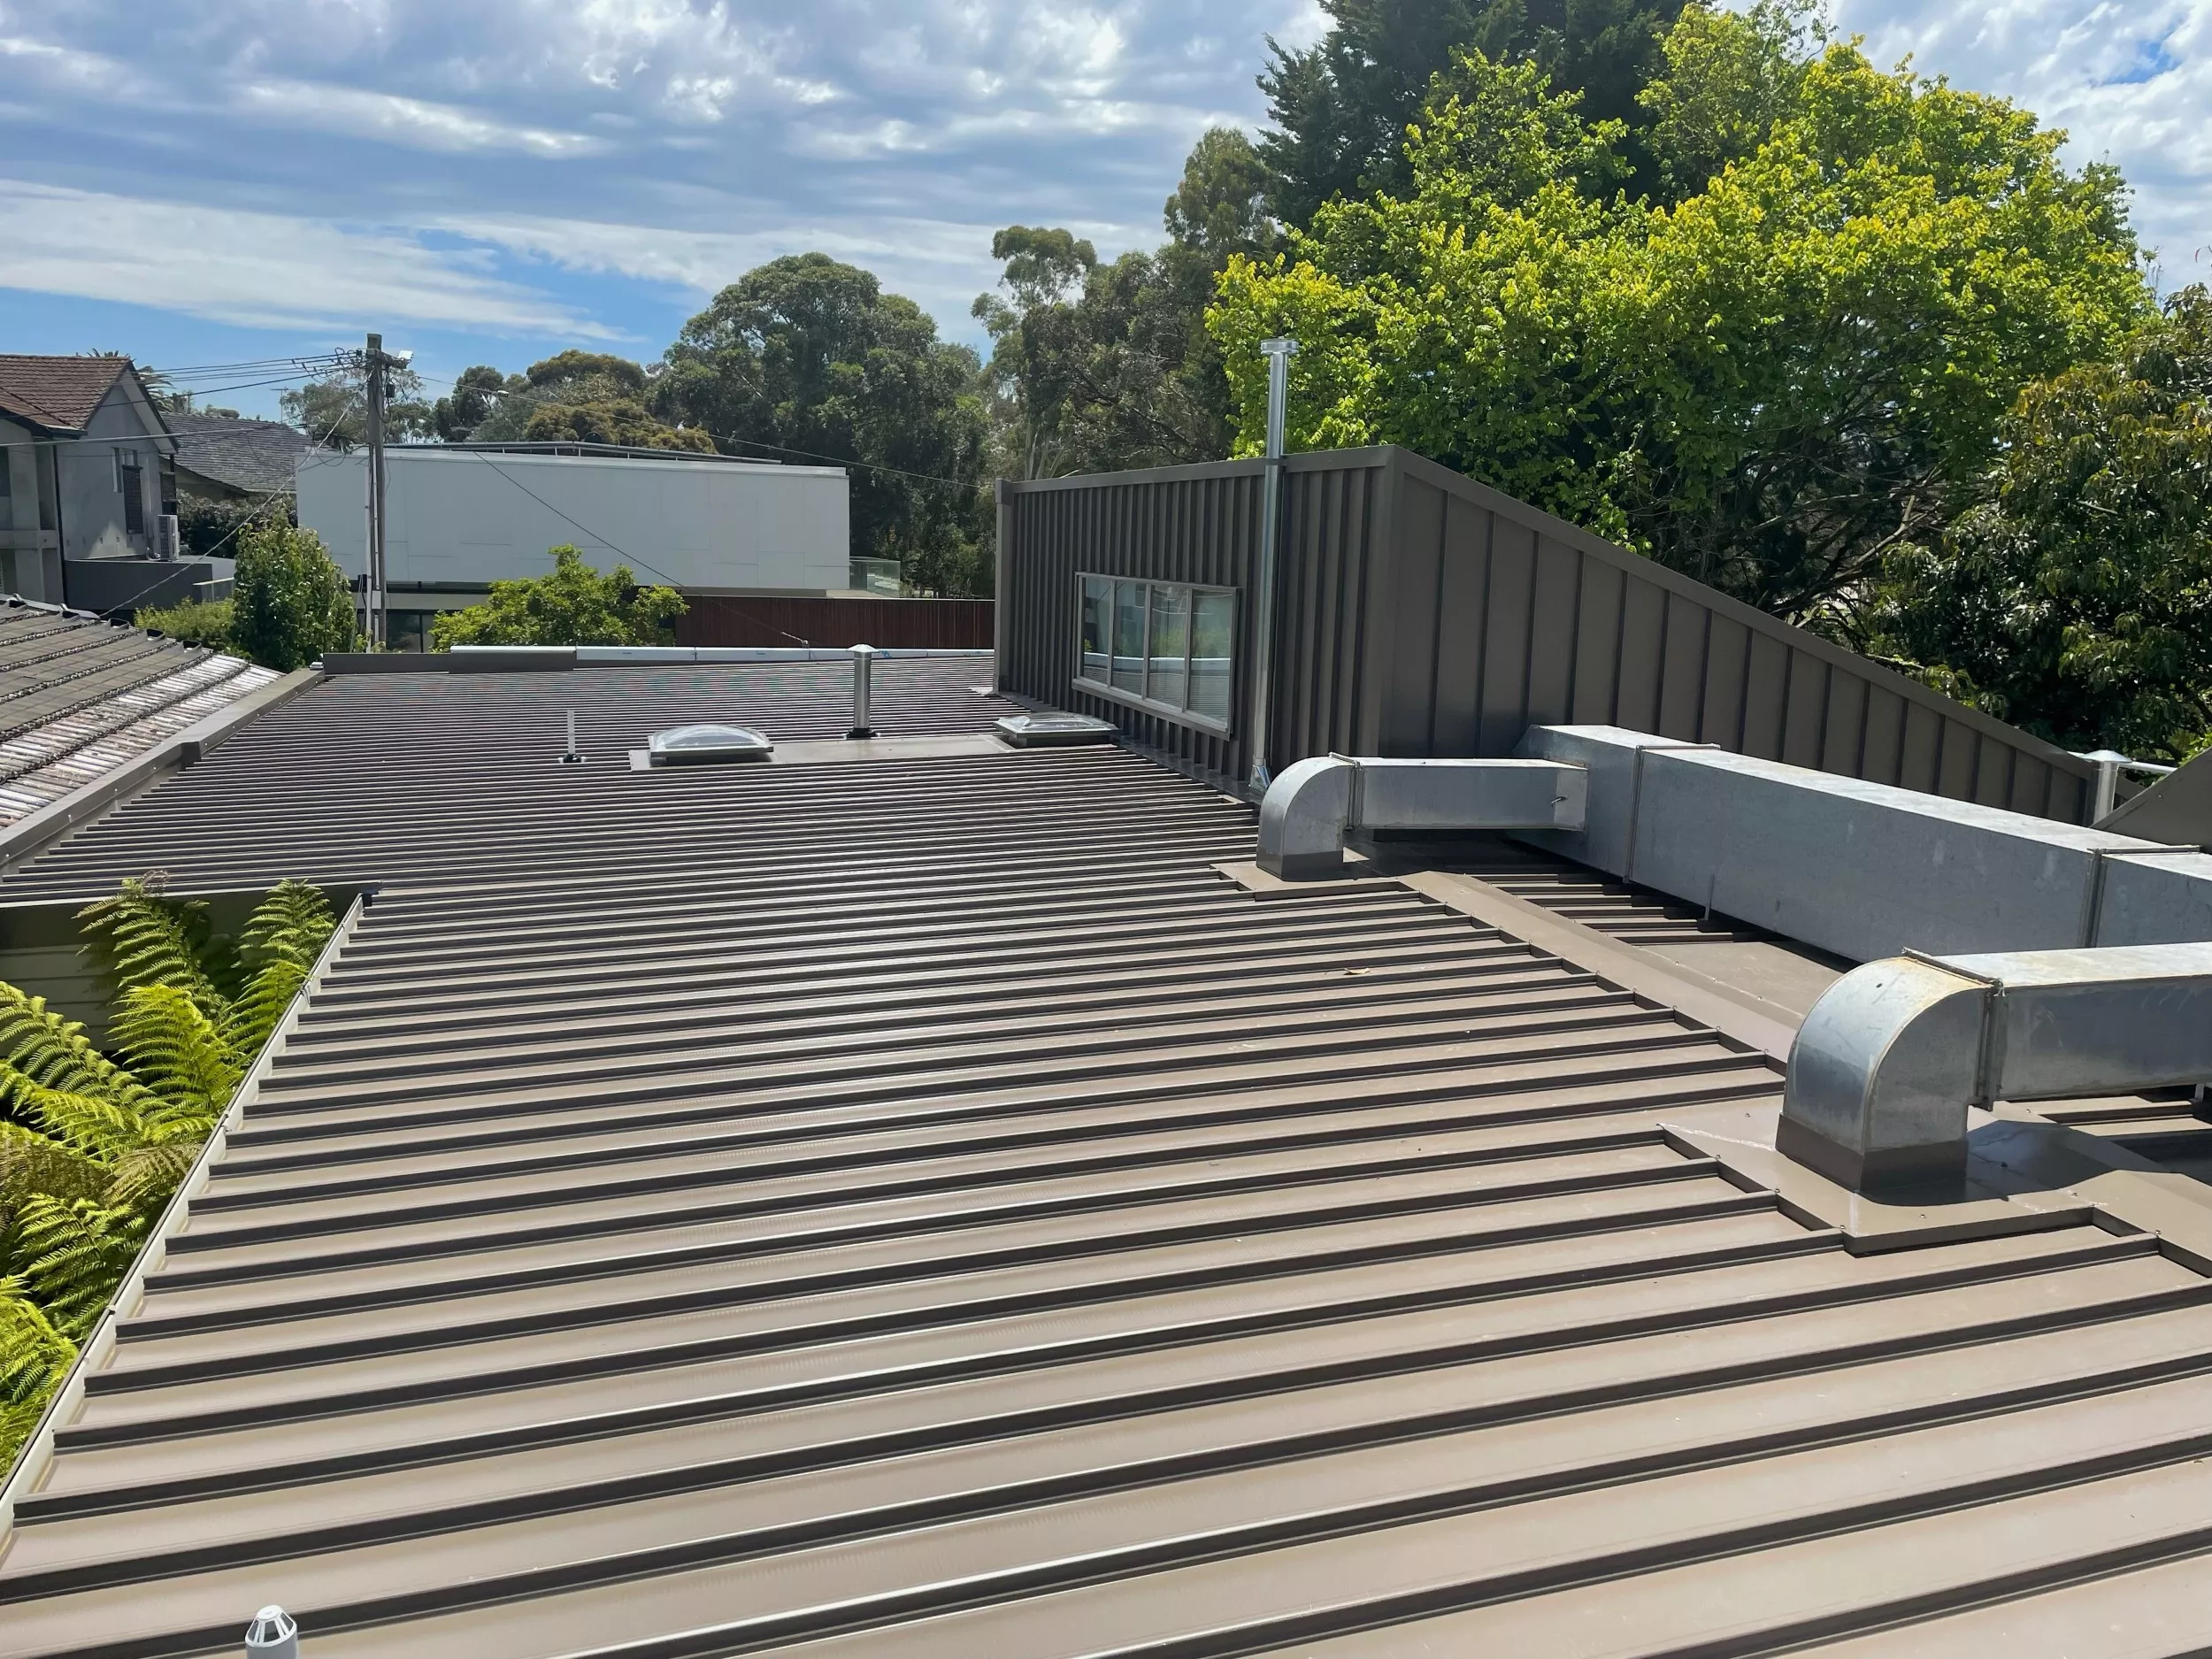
(618, 421)
(334, 411)
(1805, 363)
(289, 600)
(572, 397)
(807, 359)
(92, 1144)
(1339, 109)
(476, 393)
(572, 604)
(1097, 367)
(2076, 601)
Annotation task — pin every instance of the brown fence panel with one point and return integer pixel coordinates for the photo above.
(909, 623)
(1422, 613)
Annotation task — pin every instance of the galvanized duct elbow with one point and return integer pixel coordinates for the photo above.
(1308, 810)
(1890, 1058)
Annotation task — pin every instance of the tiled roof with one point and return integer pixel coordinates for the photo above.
(79, 698)
(58, 393)
(255, 455)
(920, 1207)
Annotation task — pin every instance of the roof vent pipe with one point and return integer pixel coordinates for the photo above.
(2109, 764)
(574, 756)
(1308, 809)
(1893, 1053)
(273, 1635)
(863, 673)
(1278, 354)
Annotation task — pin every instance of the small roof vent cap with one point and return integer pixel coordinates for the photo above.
(707, 746)
(1053, 731)
(273, 1633)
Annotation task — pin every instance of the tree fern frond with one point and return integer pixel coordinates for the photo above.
(35, 1358)
(141, 936)
(144, 1179)
(292, 924)
(80, 1250)
(256, 1013)
(173, 1049)
(32, 1162)
(53, 1051)
(86, 1123)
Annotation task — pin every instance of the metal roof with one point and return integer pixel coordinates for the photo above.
(921, 1207)
(80, 698)
(375, 777)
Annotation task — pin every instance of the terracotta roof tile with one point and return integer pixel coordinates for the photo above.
(56, 392)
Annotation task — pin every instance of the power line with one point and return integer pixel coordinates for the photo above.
(306, 360)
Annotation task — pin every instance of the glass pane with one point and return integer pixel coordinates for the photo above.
(1098, 618)
(1129, 637)
(1213, 625)
(1171, 644)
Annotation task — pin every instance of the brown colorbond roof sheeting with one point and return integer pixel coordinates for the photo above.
(920, 1208)
(371, 776)
(1422, 613)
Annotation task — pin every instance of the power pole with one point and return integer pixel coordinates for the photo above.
(373, 362)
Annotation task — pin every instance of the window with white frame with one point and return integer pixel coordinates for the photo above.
(1168, 647)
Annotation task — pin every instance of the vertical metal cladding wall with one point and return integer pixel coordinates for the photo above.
(1425, 614)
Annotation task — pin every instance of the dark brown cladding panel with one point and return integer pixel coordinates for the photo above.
(1422, 613)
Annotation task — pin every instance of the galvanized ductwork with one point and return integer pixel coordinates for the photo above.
(1891, 1057)
(1308, 810)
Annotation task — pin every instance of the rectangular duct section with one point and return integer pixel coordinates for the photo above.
(1860, 869)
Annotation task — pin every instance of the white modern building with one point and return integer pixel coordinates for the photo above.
(461, 517)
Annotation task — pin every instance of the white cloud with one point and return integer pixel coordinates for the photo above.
(411, 122)
(257, 270)
(2129, 80)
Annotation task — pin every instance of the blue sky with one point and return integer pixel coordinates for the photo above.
(214, 180)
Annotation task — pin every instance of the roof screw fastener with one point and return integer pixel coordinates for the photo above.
(273, 1634)
(575, 756)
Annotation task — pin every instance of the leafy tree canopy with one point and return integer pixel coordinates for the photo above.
(623, 420)
(334, 411)
(1339, 109)
(573, 604)
(1100, 366)
(572, 397)
(806, 358)
(476, 393)
(2077, 600)
(289, 602)
(1804, 362)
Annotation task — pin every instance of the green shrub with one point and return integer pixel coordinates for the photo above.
(289, 600)
(572, 604)
(193, 622)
